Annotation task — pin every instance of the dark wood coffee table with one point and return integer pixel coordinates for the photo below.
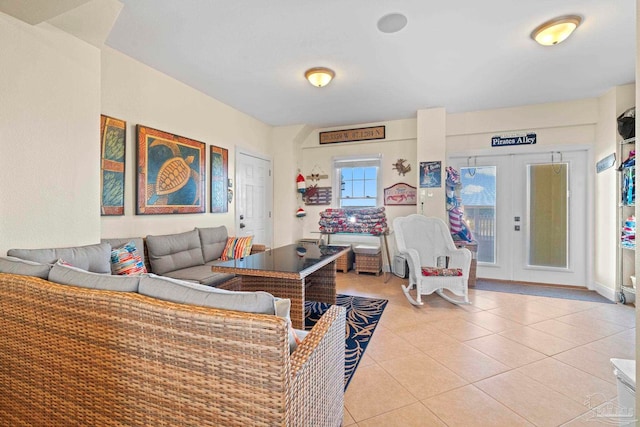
(286, 274)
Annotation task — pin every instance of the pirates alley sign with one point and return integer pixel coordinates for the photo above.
(519, 139)
(348, 135)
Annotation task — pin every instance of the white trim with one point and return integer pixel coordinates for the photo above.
(605, 291)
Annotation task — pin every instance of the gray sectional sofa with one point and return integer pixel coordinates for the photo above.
(185, 256)
(87, 347)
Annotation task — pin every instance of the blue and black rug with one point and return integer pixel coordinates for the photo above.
(363, 315)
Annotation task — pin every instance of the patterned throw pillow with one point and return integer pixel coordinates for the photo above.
(126, 261)
(237, 247)
(435, 271)
(242, 247)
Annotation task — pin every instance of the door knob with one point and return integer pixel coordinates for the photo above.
(242, 225)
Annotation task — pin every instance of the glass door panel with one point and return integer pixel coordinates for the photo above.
(478, 194)
(548, 211)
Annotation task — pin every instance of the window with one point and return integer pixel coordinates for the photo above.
(357, 182)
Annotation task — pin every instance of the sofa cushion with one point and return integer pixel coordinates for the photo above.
(200, 274)
(95, 258)
(127, 260)
(183, 292)
(69, 275)
(171, 252)
(24, 267)
(212, 241)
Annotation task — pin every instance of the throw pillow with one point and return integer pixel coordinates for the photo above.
(442, 272)
(237, 247)
(242, 247)
(227, 252)
(127, 261)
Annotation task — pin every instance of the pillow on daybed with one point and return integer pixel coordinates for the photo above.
(68, 275)
(24, 267)
(95, 258)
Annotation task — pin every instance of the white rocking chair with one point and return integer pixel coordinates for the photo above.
(423, 240)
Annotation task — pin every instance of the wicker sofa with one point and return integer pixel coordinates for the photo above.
(77, 356)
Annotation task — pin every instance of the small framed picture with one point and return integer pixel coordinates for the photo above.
(430, 174)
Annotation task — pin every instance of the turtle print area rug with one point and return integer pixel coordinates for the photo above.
(362, 314)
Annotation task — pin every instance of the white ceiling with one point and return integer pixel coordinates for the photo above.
(463, 55)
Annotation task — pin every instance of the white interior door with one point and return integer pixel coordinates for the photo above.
(254, 189)
(528, 214)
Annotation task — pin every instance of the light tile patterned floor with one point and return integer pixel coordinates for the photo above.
(505, 360)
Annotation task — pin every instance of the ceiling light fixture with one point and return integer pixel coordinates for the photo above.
(319, 76)
(556, 30)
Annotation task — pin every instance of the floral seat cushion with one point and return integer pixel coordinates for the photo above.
(442, 272)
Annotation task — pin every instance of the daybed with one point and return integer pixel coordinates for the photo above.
(72, 356)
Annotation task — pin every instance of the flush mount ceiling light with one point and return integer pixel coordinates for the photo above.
(392, 23)
(556, 30)
(319, 76)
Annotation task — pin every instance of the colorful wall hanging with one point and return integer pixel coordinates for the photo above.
(171, 173)
(400, 194)
(430, 174)
(112, 153)
(219, 172)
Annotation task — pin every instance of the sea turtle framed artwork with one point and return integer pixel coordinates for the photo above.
(112, 156)
(171, 174)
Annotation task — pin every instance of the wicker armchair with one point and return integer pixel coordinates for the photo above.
(423, 240)
(73, 356)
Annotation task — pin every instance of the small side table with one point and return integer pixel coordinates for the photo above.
(473, 247)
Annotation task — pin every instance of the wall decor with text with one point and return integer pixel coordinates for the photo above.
(171, 173)
(400, 194)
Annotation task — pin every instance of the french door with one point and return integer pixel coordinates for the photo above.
(528, 213)
(254, 190)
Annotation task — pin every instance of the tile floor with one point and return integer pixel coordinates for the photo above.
(505, 360)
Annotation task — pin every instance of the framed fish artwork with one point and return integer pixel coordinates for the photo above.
(171, 174)
(112, 156)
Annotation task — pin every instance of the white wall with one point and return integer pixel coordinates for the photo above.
(138, 94)
(49, 167)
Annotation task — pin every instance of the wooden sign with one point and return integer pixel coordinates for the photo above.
(318, 196)
(349, 135)
(400, 194)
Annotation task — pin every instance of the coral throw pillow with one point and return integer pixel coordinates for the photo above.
(435, 271)
(126, 261)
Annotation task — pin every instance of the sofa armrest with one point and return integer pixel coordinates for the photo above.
(317, 367)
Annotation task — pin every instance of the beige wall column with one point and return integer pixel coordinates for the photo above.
(286, 143)
(431, 146)
(49, 130)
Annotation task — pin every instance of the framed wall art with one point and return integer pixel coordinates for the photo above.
(219, 172)
(430, 174)
(112, 158)
(400, 194)
(171, 173)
